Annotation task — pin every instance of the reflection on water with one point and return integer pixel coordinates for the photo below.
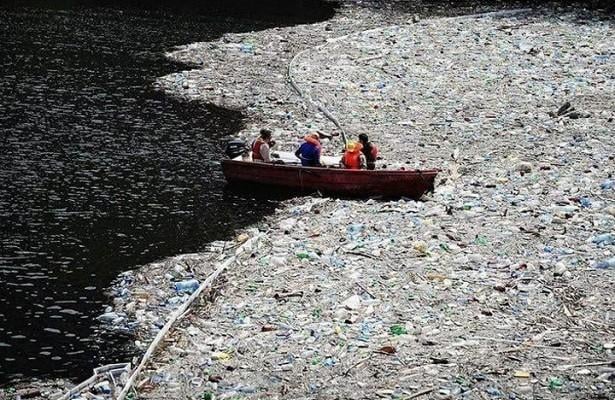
(98, 173)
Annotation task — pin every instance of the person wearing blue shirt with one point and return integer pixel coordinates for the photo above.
(309, 151)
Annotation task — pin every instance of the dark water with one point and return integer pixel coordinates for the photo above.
(99, 172)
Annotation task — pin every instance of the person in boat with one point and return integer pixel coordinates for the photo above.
(369, 150)
(309, 151)
(353, 157)
(261, 147)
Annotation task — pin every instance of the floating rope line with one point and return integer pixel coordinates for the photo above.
(179, 312)
(327, 113)
(307, 97)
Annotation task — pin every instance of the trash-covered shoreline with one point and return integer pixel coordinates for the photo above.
(498, 285)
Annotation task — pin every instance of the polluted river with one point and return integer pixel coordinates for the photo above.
(100, 172)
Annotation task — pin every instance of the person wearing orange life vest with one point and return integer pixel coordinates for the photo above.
(353, 158)
(261, 147)
(369, 150)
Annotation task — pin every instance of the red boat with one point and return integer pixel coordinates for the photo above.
(331, 179)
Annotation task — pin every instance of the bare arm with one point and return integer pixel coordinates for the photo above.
(363, 161)
(266, 152)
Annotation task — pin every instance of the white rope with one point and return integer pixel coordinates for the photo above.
(207, 283)
(504, 13)
(308, 98)
(326, 112)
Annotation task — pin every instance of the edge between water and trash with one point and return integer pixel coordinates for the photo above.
(144, 361)
(184, 308)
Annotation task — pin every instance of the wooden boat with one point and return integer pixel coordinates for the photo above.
(330, 178)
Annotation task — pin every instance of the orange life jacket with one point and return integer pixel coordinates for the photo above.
(312, 139)
(352, 158)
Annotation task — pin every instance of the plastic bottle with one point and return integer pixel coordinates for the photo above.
(585, 202)
(604, 240)
(247, 48)
(607, 185)
(188, 286)
(606, 264)
(354, 231)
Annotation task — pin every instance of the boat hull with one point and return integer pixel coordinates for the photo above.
(332, 180)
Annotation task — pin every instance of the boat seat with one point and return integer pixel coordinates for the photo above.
(290, 158)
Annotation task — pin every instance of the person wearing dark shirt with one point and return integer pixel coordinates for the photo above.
(309, 151)
(369, 150)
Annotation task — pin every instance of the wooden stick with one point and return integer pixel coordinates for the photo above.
(359, 253)
(365, 290)
(356, 365)
(520, 344)
(555, 357)
(421, 393)
(592, 364)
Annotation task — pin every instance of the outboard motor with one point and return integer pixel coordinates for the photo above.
(235, 148)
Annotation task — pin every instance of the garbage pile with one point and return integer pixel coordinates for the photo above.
(248, 71)
(144, 298)
(390, 299)
(106, 382)
(498, 285)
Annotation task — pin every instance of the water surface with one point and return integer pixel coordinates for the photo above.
(99, 172)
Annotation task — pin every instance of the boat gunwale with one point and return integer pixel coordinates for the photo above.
(430, 171)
